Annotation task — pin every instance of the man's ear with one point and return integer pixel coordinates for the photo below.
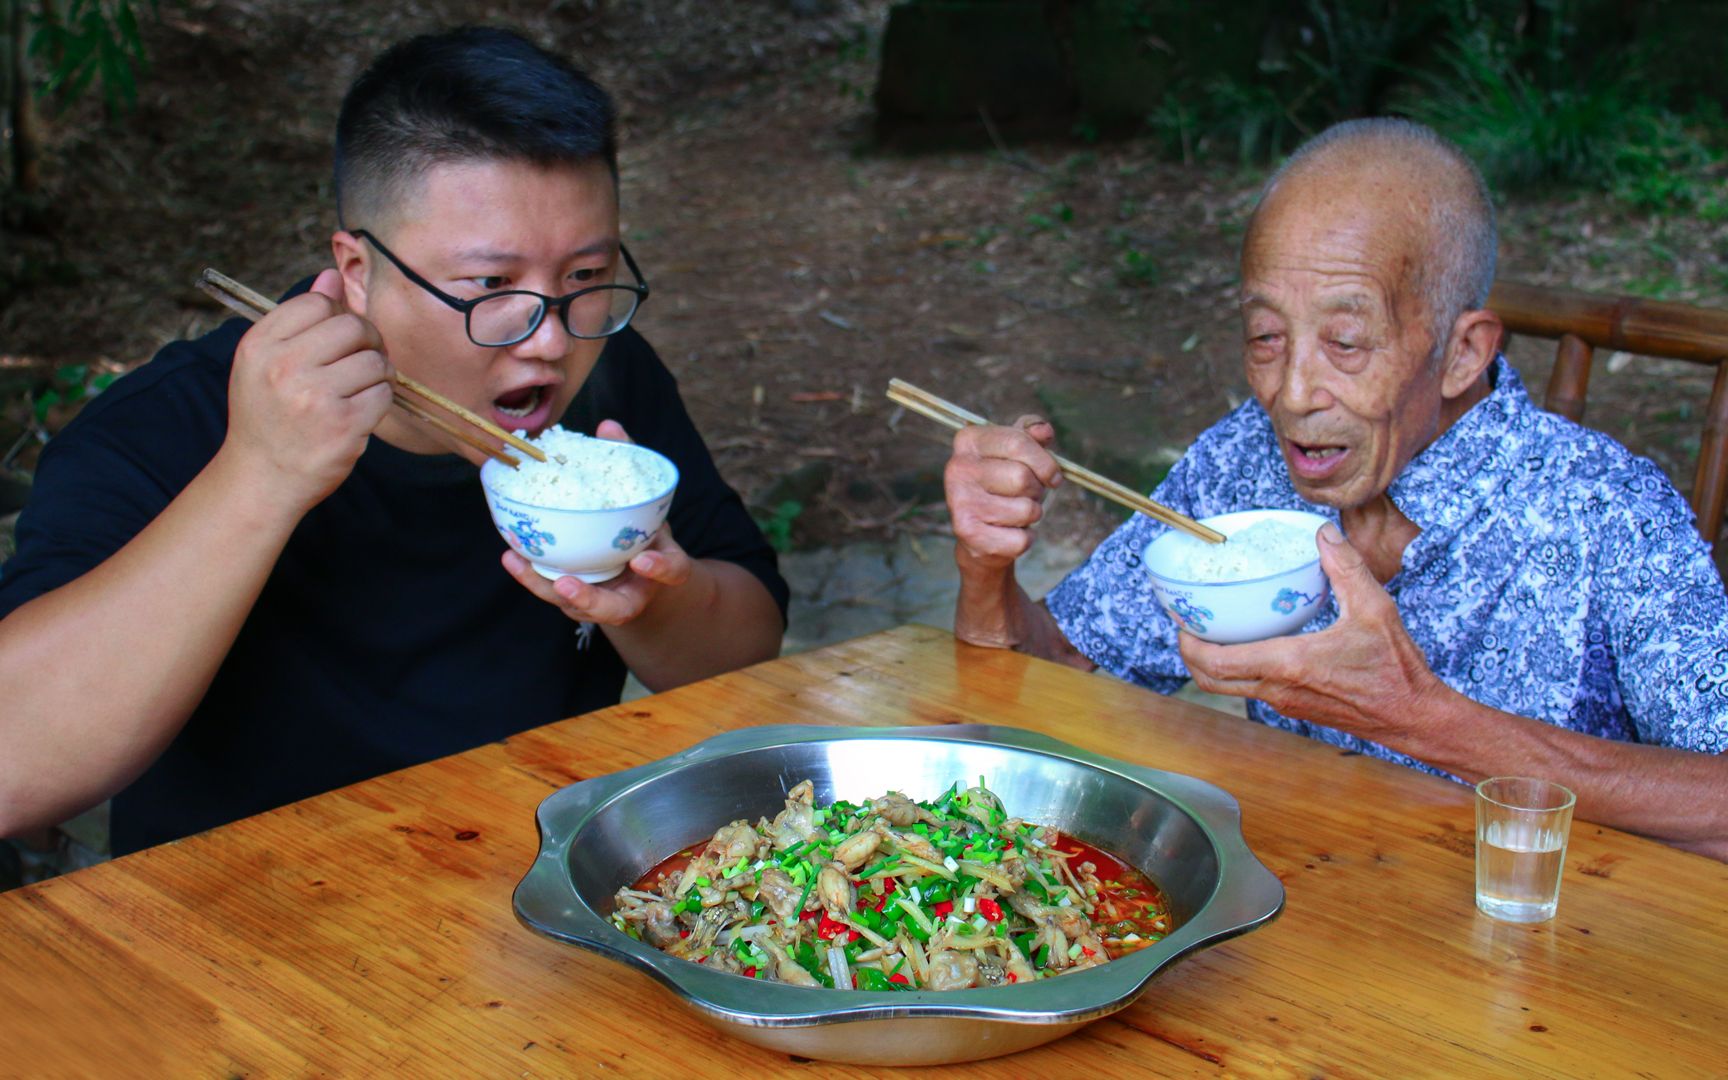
(354, 262)
(1475, 340)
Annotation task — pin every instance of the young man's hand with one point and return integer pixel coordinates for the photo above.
(310, 382)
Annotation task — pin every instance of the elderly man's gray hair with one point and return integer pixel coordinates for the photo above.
(1464, 240)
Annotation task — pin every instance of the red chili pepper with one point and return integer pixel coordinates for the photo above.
(750, 973)
(892, 885)
(827, 928)
(811, 914)
(990, 909)
(1013, 977)
(944, 909)
(901, 979)
(683, 933)
(881, 902)
(1087, 951)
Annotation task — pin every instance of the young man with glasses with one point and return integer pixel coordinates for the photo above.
(244, 578)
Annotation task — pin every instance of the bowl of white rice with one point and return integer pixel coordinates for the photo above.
(586, 510)
(1263, 582)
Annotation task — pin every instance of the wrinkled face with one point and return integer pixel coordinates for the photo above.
(474, 228)
(1337, 341)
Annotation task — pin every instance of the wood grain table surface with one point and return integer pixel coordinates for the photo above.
(369, 932)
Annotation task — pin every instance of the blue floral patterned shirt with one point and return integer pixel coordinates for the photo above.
(1556, 576)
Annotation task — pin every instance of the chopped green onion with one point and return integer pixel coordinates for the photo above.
(798, 912)
(703, 883)
(879, 867)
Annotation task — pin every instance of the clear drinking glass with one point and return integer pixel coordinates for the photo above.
(1521, 829)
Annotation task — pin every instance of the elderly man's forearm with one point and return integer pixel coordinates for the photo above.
(1677, 796)
(993, 611)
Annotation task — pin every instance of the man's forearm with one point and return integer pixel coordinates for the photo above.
(99, 675)
(994, 611)
(720, 620)
(1673, 795)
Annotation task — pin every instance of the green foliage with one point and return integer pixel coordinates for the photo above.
(1538, 92)
(1059, 214)
(1325, 61)
(86, 41)
(1526, 127)
(777, 526)
(68, 385)
(1135, 269)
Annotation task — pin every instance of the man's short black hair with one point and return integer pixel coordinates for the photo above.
(470, 94)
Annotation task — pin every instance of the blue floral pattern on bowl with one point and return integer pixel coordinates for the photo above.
(531, 536)
(1191, 615)
(1288, 600)
(628, 538)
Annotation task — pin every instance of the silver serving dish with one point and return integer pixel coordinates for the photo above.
(602, 834)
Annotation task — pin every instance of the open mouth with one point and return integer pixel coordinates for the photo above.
(526, 408)
(1313, 461)
(520, 403)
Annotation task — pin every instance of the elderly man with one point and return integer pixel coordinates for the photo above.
(243, 578)
(1512, 593)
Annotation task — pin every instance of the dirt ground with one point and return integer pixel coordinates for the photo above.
(796, 268)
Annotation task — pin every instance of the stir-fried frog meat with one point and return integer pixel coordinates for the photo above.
(894, 894)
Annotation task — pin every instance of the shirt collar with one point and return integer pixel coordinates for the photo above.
(1443, 486)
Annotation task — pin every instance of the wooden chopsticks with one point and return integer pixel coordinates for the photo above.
(947, 413)
(249, 304)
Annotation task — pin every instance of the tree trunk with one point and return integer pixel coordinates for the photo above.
(25, 121)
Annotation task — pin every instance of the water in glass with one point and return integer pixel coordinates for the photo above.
(1518, 870)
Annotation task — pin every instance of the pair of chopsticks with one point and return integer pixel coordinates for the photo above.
(410, 395)
(951, 415)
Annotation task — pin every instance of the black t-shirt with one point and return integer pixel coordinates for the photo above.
(387, 634)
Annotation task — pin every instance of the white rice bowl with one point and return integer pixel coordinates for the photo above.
(584, 512)
(1264, 581)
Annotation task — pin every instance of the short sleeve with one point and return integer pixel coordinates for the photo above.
(1667, 614)
(117, 466)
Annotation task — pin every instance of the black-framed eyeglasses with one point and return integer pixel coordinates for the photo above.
(505, 318)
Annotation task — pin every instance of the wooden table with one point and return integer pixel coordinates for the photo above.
(369, 931)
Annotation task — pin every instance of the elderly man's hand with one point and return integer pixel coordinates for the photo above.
(1362, 674)
(662, 564)
(996, 481)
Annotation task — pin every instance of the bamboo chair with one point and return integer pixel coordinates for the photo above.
(1583, 322)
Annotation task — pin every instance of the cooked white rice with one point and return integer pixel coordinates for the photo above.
(594, 474)
(1266, 547)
